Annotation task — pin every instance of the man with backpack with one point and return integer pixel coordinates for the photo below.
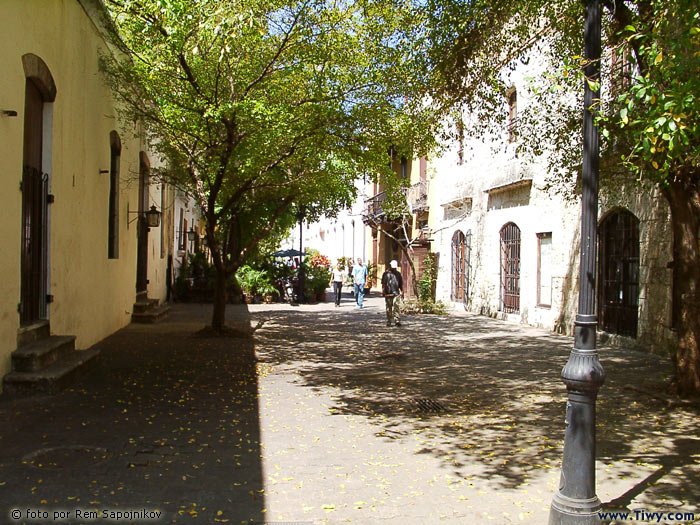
(392, 290)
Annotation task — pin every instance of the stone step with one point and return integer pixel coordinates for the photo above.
(51, 379)
(143, 305)
(152, 315)
(39, 354)
(33, 332)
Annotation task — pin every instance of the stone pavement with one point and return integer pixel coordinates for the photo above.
(329, 416)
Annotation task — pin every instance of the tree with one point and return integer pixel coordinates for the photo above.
(649, 117)
(267, 107)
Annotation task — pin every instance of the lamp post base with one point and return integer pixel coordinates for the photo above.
(569, 511)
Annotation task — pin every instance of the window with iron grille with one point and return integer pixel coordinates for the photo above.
(461, 260)
(618, 273)
(181, 235)
(510, 268)
(621, 69)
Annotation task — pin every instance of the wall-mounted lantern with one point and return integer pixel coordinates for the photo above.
(153, 217)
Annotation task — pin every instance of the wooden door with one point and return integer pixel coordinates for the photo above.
(34, 190)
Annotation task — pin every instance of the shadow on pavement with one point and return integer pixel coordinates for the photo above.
(485, 396)
(166, 421)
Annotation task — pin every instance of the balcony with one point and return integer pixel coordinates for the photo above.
(417, 197)
(511, 174)
(374, 208)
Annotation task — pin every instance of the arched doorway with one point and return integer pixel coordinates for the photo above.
(461, 260)
(510, 268)
(40, 90)
(618, 273)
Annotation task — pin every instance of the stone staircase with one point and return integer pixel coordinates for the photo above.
(44, 363)
(148, 311)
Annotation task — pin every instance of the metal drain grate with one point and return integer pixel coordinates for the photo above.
(427, 405)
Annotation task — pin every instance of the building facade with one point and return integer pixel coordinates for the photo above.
(77, 248)
(335, 237)
(508, 246)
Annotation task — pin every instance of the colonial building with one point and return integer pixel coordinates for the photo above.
(188, 232)
(402, 238)
(79, 257)
(509, 247)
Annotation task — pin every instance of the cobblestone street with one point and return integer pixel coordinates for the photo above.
(338, 418)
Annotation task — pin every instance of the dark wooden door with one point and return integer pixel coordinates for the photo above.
(142, 232)
(34, 186)
(618, 277)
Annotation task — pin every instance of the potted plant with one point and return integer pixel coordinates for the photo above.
(255, 284)
(371, 277)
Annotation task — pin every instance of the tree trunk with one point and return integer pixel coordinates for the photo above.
(218, 319)
(408, 252)
(683, 198)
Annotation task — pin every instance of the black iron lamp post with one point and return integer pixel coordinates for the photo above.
(576, 503)
(300, 216)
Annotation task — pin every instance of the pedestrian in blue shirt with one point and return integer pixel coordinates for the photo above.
(359, 278)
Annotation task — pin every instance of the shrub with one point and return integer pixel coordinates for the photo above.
(255, 282)
(416, 306)
(318, 278)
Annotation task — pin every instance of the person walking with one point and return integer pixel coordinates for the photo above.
(337, 282)
(359, 278)
(392, 290)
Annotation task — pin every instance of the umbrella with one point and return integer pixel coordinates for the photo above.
(287, 253)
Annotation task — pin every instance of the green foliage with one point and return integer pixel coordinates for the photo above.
(371, 274)
(265, 106)
(255, 282)
(317, 277)
(267, 110)
(346, 263)
(418, 306)
(426, 284)
(649, 121)
(425, 303)
(655, 123)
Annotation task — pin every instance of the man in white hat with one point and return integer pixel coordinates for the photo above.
(392, 290)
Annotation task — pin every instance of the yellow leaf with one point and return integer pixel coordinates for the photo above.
(655, 164)
(659, 57)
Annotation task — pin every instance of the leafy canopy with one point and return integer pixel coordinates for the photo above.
(266, 106)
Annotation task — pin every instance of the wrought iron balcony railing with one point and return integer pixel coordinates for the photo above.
(417, 197)
(374, 208)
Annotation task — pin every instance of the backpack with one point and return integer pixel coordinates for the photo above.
(391, 284)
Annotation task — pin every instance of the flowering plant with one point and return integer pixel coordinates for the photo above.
(320, 261)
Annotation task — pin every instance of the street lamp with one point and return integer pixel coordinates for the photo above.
(576, 502)
(300, 217)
